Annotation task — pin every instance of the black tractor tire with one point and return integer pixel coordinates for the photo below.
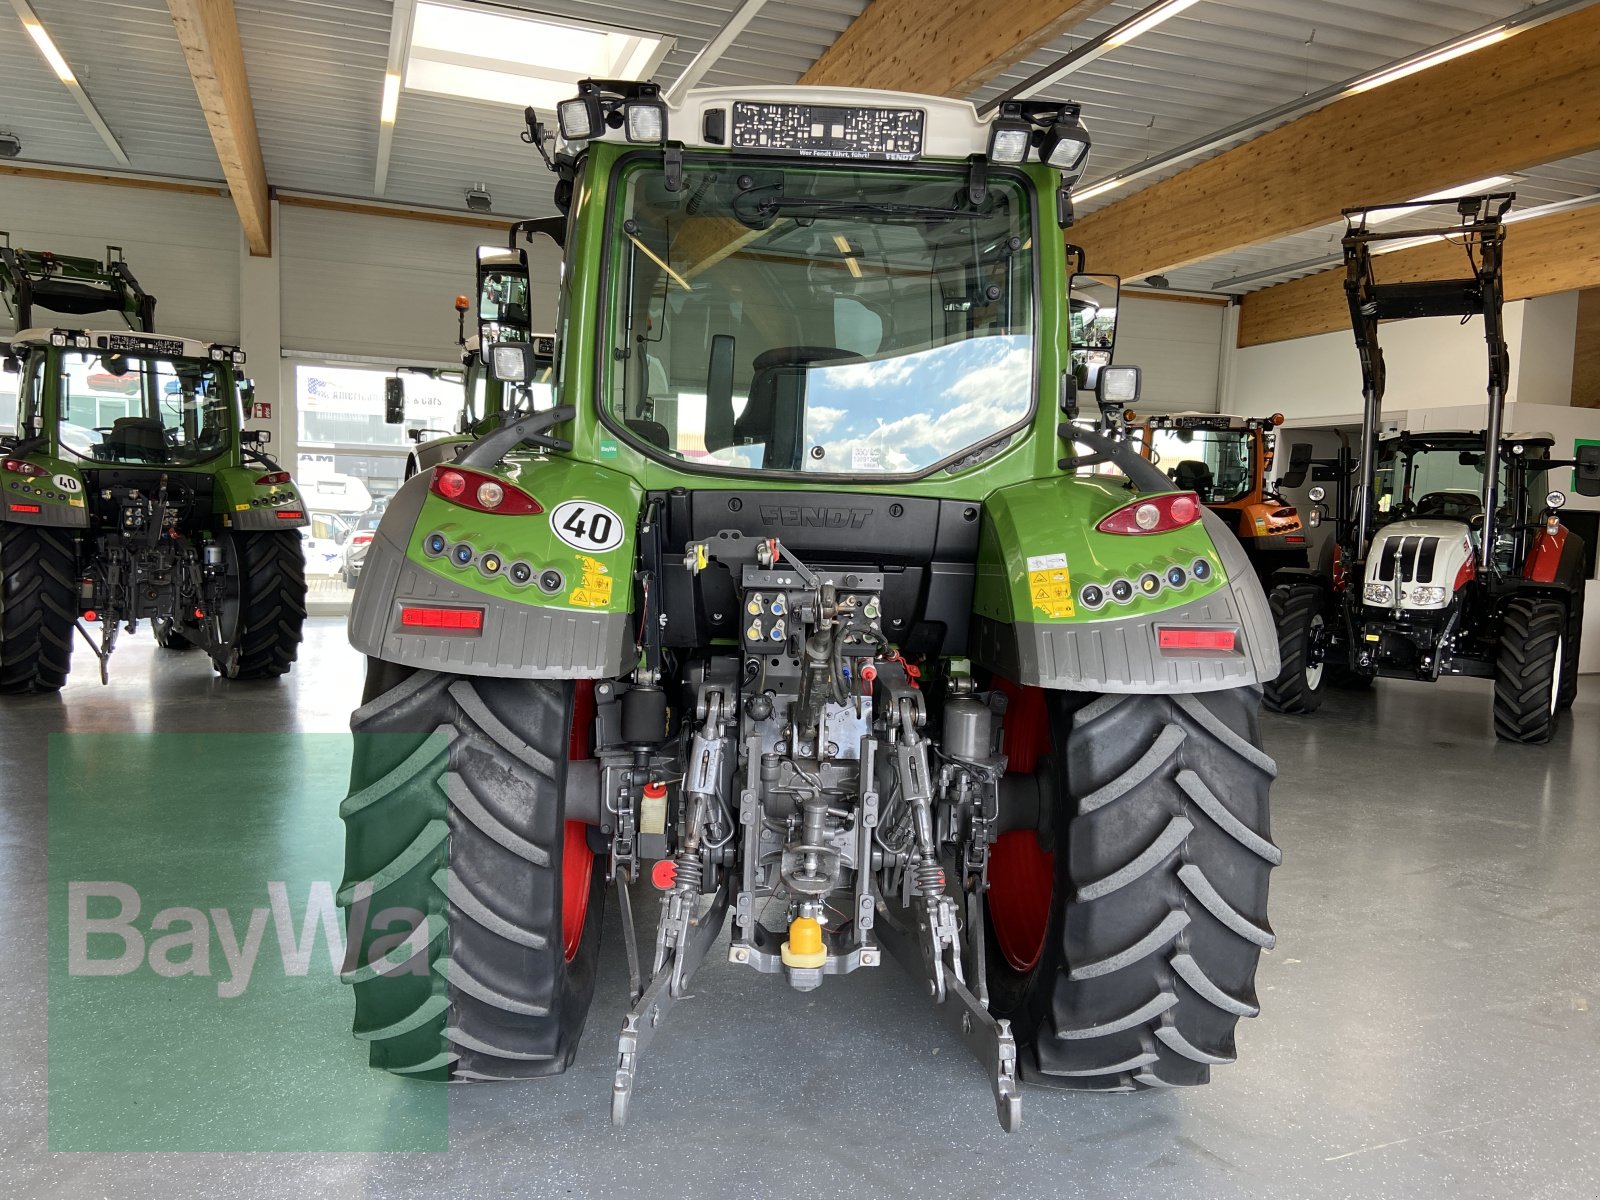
(1527, 687)
(272, 606)
(38, 607)
(1157, 893)
(169, 636)
(1297, 610)
(465, 960)
(1572, 647)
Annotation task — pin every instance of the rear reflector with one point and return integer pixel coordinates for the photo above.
(27, 508)
(465, 620)
(290, 514)
(1295, 539)
(1197, 639)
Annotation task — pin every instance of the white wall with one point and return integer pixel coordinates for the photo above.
(1549, 339)
(1432, 362)
(183, 248)
(384, 287)
(1178, 345)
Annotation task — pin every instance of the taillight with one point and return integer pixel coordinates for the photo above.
(19, 467)
(362, 538)
(462, 620)
(482, 492)
(1159, 514)
(273, 478)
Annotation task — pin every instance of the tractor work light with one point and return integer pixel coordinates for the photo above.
(1118, 386)
(1010, 135)
(579, 118)
(509, 361)
(645, 119)
(1066, 144)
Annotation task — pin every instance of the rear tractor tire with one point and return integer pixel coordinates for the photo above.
(473, 906)
(271, 605)
(1123, 945)
(1572, 649)
(38, 608)
(1297, 610)
(1529, 670)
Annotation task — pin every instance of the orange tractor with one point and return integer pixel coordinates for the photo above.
(1227, 461)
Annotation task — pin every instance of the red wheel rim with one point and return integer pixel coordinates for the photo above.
(577, 860)
(1021, 872)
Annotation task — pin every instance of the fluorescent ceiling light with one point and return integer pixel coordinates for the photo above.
(1433, 59)
(509, 57)
(1125, 33)
(391, 98)
(47, 47)
(1099, 189)
(1379, 216)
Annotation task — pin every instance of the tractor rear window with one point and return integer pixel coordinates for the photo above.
(820, 319)
(1216, 463)
(128, 409)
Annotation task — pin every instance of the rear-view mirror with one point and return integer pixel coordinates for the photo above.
(1092, 303)
(1586, 475)
(1299, 464)
(394, 400)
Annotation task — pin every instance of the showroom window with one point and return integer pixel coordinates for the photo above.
(350, 461)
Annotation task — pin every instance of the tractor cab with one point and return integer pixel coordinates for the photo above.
(1227, 461)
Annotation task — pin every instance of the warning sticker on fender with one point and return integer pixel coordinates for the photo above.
(594, 588)
(1047, 562)
(1051, 590)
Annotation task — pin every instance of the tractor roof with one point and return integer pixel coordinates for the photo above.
(1537, 437)
(127, 340)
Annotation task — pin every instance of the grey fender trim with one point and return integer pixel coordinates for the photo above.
(1121, 654)
(53, 515)
(519, 641)
(253, 520)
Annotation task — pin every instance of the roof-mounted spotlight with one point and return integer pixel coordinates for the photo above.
(645, 116)
(580, 118)
(1065, 145)
(1010, 135)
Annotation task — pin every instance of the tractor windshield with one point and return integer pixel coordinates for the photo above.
(1216, 463)
(821, 319)
(131, 408)
(1442, 478)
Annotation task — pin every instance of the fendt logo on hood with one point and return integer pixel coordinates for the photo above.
(814, 516)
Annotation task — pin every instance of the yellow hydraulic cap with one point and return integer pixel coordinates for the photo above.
(804, 947)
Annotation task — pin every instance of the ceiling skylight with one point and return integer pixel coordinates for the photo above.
(505, 56)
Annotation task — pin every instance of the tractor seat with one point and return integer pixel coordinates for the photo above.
(1451, 505)
(137, 437)
(1192, 475)
(775, 415)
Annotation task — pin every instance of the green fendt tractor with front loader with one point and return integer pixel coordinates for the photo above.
(811, 602)
(130, 490)
(1449, 555)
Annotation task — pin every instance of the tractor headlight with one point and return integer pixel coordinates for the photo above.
(1426, 595)
(1378, 593)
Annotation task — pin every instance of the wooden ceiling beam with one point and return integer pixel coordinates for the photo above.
(1530, 99)
(943, 47)
(209, 33)
(1545, 255)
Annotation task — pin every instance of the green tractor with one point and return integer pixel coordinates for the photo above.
(504, 315)
(131, 490)
(813, 602)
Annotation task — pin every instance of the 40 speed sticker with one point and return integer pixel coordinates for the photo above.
(67, 483)
(585, 525)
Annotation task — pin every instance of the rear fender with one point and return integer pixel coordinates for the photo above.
(55, 498)
(246, 505)
(1033, 623)
(573, 619)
